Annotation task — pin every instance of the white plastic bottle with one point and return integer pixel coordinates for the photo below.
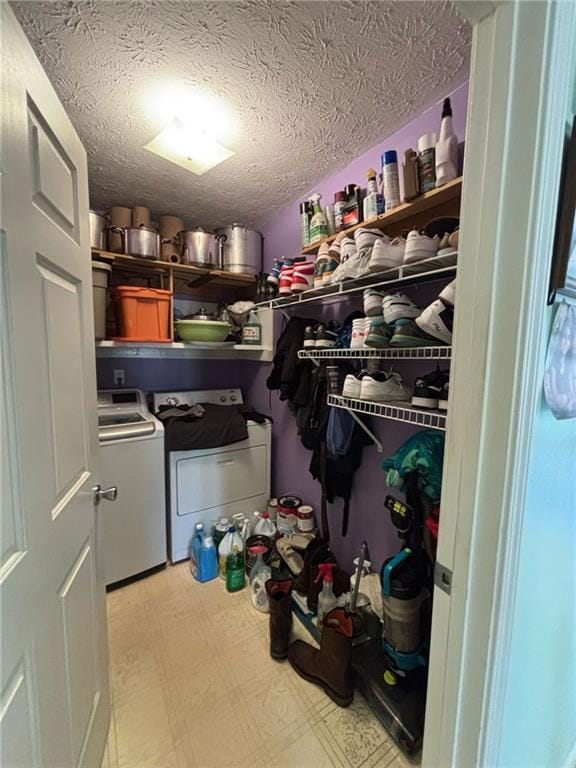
(225, 548)
(318, 222)
(265, 526)
(373, 204)
(391, 180)
(446, 148)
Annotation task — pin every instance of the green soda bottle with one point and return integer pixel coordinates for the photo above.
(235, 570)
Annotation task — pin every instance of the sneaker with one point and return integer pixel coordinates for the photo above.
(436, 321)
(275, 272)
(379, 334)
(334, 247)
(310, 337)
(428, 389)
(454, 238)
(447, 254)
(379, 388)
(408, 334)
(397, 306)
(448, 294)
(419, 247)
(285, 282)
(302, 277)
(331, 265)
(326, 336)
(373, 302)
(365, 238)
(358, 333)
(387, 254)
(347, 249)
(443, 399)
(352, 385)
(319, 270)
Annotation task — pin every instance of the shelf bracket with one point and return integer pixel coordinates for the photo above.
(369, 432)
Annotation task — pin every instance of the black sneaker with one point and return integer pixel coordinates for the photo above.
(428, 389)
(443, 401)
(326, 336)
(310, 337)
(408, 334)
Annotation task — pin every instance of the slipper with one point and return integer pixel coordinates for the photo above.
(293, 559)
(301, 540)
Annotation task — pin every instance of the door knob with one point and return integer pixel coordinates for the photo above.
(110, 494)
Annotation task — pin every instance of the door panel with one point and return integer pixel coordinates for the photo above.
(51, 580)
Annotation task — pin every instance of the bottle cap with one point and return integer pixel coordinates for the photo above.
(350, 189)
(265, 516)
(208, 542)
(340, 197)
(427, 141)
(446, 108)
(371, 173)
(231, 529)
(305, 207)
(325, 572)
(389, 157)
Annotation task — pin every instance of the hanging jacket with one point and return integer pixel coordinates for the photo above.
(287, 368)
(423, 453)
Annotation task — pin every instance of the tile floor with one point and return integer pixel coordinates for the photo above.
(193, 686)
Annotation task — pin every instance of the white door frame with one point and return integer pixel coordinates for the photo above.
(520, 91)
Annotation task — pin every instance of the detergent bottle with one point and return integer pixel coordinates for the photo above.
(326, 599)
(236, 565)
(195, 547)
(224, 549)
(265, 526)
(260, 573)
(207, 559)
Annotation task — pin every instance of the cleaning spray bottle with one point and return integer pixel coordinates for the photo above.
(225, 548)
(236, 566)
(318, 222)
(374, 200)
(446, 148)
(260, 573)
(326, 599)
(265, 526)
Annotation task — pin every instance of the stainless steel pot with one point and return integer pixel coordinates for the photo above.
(197, 246)
(241, 249)
(98, 230)
(139, 241)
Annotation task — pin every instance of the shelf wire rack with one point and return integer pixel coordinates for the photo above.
(388, 353)
(394, 411)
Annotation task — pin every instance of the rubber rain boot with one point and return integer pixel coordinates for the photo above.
(279, 597)
(329, 666)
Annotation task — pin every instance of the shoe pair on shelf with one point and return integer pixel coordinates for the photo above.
(415, 248)
(321, 336)
(431, 390)
(378, 387)
(296, 275)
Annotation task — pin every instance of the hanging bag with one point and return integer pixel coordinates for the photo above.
(560, 373)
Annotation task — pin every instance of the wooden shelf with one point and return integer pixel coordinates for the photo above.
(441, 201)
(178, 349)
(195, 275)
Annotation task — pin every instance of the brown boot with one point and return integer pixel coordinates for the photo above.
(279, 596)
(330, 666)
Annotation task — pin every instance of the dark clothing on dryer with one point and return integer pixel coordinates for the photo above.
(206, 425)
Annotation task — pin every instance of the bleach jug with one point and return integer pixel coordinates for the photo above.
(265, 526)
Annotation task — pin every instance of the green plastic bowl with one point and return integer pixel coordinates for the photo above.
(202, 330)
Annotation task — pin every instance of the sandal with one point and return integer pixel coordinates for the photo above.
(293, 559)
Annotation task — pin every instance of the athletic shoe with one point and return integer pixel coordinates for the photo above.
(310, 337)
(387, 254)
(443, 399)
(365, 237)
(326, 336)
(352, 385)
(448, 294)
(379, 388)
(397, 306)
(275, 272)
(302, 276)
(419, 247)
(436, 320)
(379, 334)
(335, 245)
(331, 265)
(358, 333)
(408, 334)
(428, 389)
(347, 249)
(286, 275)
(454, 238)
(373, 302)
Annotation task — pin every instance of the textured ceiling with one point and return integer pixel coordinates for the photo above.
(312, 85)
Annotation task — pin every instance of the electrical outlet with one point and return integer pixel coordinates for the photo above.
(119, 377)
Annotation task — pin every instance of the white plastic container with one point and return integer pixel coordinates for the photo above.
(446, 148)
(100, 274)
(265, 526)
(273, 509)
(232, 541)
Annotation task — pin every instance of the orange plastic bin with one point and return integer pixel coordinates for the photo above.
(143, 314)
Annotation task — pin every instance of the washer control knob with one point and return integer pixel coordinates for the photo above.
(233, 398)
(222, 398)
(172, 401)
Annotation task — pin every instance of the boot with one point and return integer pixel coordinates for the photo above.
(329, 667)
(315, 552)
(279, 596)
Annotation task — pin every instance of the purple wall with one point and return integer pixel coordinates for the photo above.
(368, 519)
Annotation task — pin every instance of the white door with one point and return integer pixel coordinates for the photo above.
(54, 708)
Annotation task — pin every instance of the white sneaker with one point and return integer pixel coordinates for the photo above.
(387, 255)
(347, 249)
(358, 333)
(373, 302)
(366, 238)
(420, 247)
(352, 385)
(397, 306)
(448, 294)
(436, 320)
(380, 388)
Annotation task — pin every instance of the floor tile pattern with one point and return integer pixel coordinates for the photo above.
(193, 686)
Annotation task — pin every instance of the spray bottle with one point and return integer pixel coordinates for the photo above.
(446, 148)
(318, 222)
(326, 598)
(374, 200)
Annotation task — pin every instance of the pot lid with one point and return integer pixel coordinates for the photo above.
(202, 314)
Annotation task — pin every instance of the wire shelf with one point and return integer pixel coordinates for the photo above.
(430, 270)
(389, 353)
(394, 411)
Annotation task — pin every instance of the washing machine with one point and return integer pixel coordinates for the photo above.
(205, 484)
(132, 458)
